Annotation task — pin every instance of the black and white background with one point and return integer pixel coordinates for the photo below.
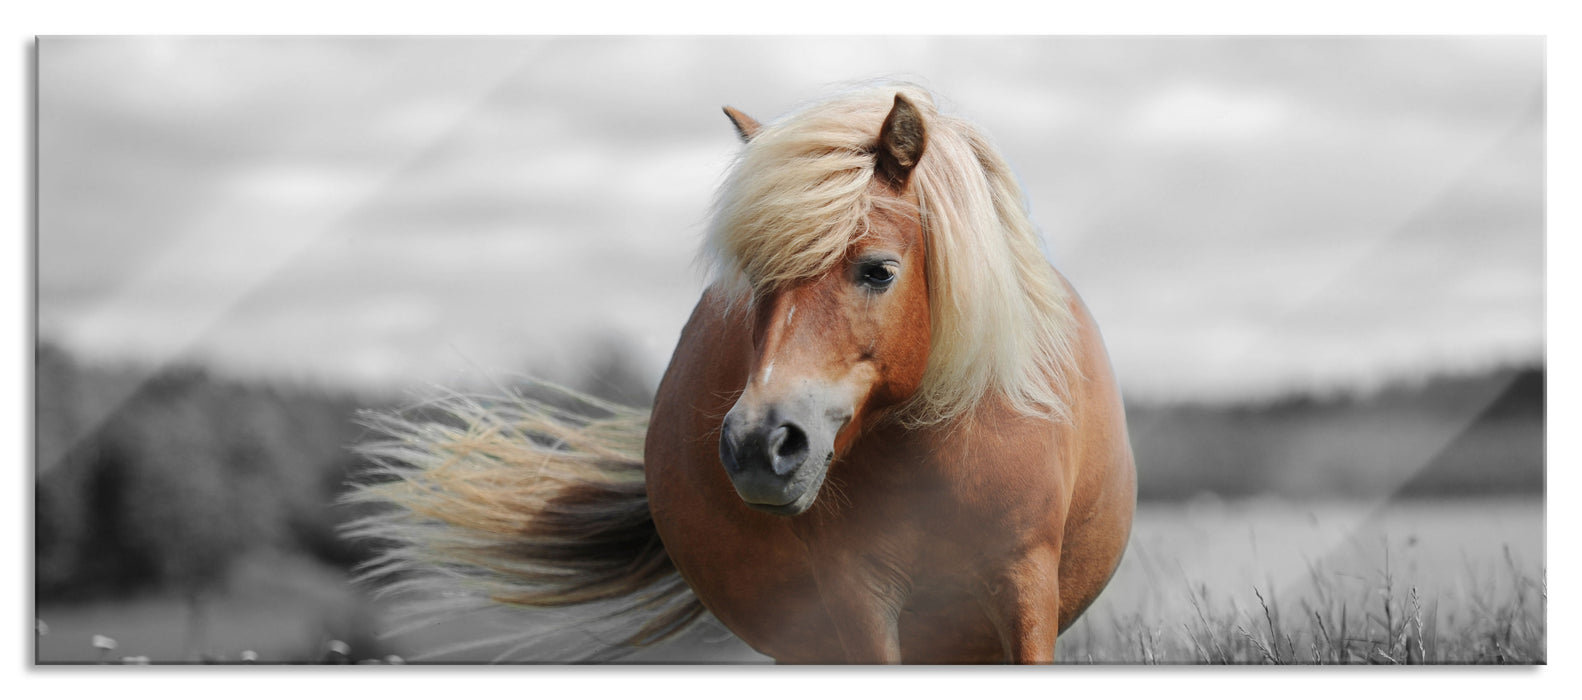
(1319, 265)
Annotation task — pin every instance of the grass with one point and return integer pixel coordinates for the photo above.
(1336, 618)
(1339, 620)
(335, 652)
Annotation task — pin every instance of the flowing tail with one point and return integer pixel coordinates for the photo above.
(534, 503)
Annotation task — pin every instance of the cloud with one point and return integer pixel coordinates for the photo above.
(1206, 115)
(1243, 214)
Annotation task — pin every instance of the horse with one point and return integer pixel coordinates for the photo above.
(889, 433)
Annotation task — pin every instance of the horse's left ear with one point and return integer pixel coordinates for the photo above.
(901, 141)
(746, 126)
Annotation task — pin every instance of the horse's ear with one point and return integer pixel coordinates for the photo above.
(901, 141)
(746, 126)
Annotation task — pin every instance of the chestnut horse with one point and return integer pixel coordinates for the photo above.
(889, 432)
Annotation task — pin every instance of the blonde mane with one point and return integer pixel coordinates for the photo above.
(800, 195)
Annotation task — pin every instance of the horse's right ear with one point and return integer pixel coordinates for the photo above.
(746, 126)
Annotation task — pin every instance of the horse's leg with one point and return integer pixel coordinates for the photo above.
(865, 605)
(868, 633)
(1024, 602)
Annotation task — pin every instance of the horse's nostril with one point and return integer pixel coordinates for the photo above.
(788, 446)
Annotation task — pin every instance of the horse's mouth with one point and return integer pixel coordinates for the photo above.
(798, 504)
(787, 510)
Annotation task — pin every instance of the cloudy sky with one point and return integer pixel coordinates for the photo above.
(1244, 216)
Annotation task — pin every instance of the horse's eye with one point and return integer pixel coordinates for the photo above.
(877, 275)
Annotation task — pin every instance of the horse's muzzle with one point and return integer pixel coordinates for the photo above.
(776, 461)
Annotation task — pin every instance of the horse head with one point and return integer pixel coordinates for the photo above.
(832, 352)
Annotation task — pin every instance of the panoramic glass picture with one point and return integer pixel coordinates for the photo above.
(799, 350)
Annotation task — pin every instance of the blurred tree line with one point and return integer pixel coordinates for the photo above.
(1475, 435)
(163, 481)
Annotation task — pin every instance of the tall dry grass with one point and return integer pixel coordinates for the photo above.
(1337, 618)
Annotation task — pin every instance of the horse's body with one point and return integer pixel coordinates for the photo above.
(974, 540)
(889, 432)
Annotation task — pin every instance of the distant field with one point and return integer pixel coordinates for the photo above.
(1464, 582)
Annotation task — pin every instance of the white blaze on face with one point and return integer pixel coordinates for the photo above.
(769, 369)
